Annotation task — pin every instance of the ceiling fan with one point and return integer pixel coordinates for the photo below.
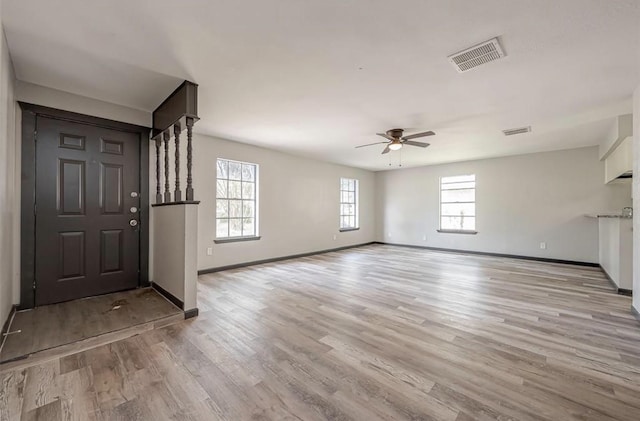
(397, 141)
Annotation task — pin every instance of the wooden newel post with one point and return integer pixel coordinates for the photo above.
(177, 195)
(158, 194)
(167, 192)
(190, 122)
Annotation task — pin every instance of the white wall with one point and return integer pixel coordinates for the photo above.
(48, 97)
(520, 201)
(7, 180)
(299, 203)
(175, 245)
(621, 128)
(636, 198)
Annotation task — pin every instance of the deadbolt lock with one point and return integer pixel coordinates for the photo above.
(133, 209)
(134, 194)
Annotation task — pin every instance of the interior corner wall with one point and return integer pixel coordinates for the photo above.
(298, 204)
(7, 181)
(636, 198)
(521, 201)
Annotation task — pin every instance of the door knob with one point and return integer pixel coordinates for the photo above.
(133, 223)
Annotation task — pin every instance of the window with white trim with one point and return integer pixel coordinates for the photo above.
(458, 203)
(236, 199)
(348, 204)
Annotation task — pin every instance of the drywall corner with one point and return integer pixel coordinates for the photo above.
(7, 179)
(636, 196)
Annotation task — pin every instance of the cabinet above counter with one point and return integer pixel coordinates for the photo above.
(616, 150)
(618, 166)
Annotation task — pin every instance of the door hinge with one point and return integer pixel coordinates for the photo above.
(34, 284)
(35, 135)
(35, 208)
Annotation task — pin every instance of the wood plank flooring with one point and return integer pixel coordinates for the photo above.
(373, 333)
(52, 326)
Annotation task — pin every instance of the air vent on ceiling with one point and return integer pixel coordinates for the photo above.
(519, 130)
(477, 55)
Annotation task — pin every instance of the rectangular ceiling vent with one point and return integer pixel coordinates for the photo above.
(519, 130)
(477, 55)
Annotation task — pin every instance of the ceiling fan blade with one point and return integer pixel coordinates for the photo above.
(371, 144)
(386, 150)
(417, 135)
(386, 136)
(412, 143)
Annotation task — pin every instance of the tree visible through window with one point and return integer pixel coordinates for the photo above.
(236, 199)
(458, 203)
(348, 203)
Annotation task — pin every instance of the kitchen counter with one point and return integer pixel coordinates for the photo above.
(615, 251)
(607, 215)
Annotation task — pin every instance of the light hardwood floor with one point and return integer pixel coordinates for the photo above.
(377, 332)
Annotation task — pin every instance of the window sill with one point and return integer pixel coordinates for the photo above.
(235, 239)
(349, 229)
(458, 232)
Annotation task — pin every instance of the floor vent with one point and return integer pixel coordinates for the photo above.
(519, 130)
(477, 55)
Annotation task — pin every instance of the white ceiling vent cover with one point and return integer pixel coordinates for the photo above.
(519, 130)
(477, 55)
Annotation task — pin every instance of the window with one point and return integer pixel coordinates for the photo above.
(458, 203)
(236, 199)
(348, 204)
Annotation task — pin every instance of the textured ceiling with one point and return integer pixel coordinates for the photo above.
(317, 78)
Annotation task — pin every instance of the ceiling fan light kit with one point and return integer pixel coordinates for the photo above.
(396, 141)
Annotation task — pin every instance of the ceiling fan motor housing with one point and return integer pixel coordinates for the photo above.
(396, 133)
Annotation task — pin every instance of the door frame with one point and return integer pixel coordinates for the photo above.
(30, 112)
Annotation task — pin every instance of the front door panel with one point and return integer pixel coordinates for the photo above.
(85, 244)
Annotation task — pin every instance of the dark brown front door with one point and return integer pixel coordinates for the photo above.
(86, 180)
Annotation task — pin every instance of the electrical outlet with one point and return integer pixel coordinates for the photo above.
(209, 251)
(389, 235)
(543, 245)
(424, 238)
(335, 237)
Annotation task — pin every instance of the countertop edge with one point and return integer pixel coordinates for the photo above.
(607, 215)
